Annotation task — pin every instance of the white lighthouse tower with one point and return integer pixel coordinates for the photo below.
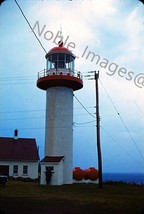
(59, 81)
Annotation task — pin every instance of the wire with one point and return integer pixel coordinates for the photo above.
(18, 77)
(35, 128)
(30, 26)
(120, 146)
(16, 80)
(34, 82)
(10, 129)
(90, 126)
(23, 111)
(84, 122)
(139, 108)
(123, 122)
(71, 91)
(43, 117)
(36, 110)
(17, 83)
(83, 106)
(109, 97)
(24, 118)
(29, 128)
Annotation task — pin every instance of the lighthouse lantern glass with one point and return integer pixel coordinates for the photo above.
(60, 61)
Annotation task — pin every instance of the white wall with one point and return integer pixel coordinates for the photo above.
(57, 176)
(32, 168)
(59, 127)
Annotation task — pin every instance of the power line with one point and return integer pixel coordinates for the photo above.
(71, 91)
(23, 111)
(83, 106)
(16, 77)
(75, 123)
(17, 80)
(139, 108)
(23, 118)
(42, 117)
(11, 129)
(18, 83)
(120, 145)
(33, 128)
(85, 126)
(30, 26)
(38, 110)
(123, 122)
(109, 98)
(26, 77)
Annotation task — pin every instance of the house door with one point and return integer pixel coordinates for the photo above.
(4, 170)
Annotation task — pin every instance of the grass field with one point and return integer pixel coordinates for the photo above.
(19, 197)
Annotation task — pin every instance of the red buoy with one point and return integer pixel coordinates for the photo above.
(91, 173)
(78, 174)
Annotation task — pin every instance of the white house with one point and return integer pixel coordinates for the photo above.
(19, 157)
(55, 164)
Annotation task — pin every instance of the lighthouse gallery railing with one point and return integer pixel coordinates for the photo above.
(64, 72)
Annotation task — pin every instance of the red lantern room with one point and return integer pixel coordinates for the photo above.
(60, 70)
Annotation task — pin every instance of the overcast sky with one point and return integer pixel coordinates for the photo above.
(111, 29)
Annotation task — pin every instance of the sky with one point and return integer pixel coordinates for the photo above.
(108, 36)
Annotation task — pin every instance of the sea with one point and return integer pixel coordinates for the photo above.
(130, 178)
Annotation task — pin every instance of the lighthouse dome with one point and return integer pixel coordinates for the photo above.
(59, 50)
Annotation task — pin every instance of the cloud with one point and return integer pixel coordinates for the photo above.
(77, 18)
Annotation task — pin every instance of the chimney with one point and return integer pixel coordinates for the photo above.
(15, 134)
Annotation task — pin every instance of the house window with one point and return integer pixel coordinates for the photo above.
(15, 169)
(25, 170)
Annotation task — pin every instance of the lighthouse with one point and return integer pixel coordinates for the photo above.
(59, 80)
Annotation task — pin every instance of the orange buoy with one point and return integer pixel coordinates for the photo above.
(91, 173)
(78, 174)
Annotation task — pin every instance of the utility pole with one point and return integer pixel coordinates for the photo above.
(96, 77)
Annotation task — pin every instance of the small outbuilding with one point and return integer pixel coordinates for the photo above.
(52, 170)
(19, 157)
